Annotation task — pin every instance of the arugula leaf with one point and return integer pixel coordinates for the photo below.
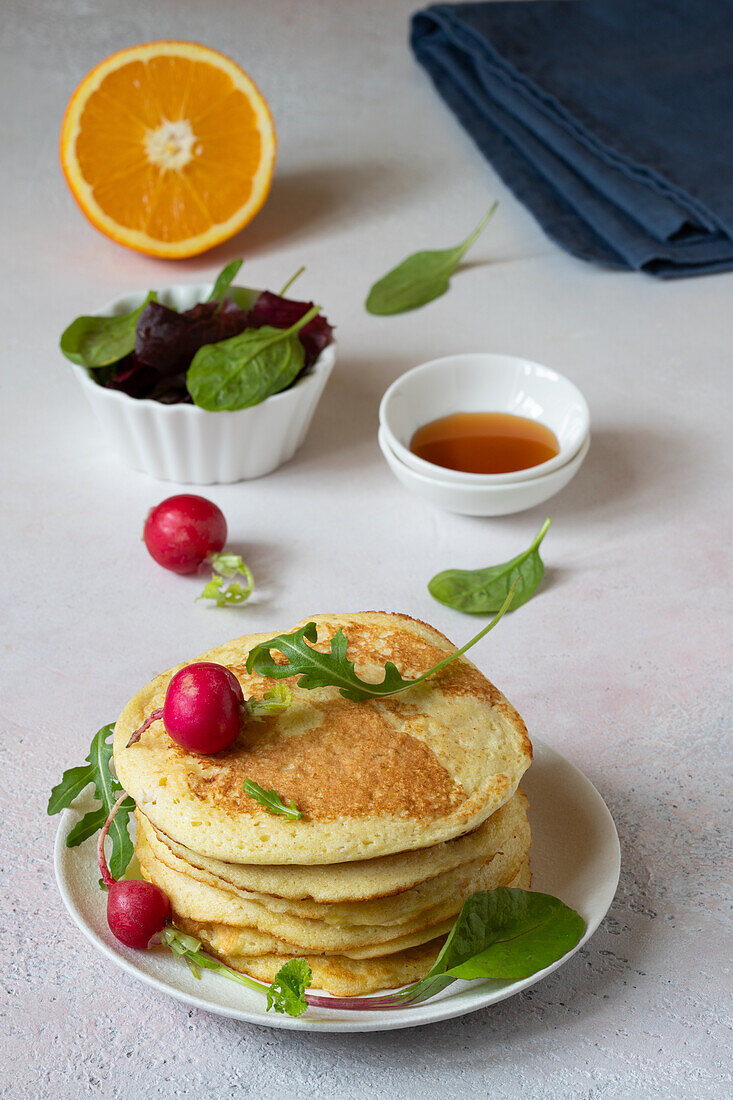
(223, 280)
(228, 565)
(271, 801)
(481, 591)
(73, 782)
(333, 669)
(107, 790)
(287, 992)
(244, 370)
(273, 701)
(90, 824)
(99, 341)
(420, 278)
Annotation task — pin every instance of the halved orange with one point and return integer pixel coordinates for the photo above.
(168, 148)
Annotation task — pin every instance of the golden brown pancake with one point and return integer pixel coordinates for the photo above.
(371, 778)
(244, 927)
(348, 977)
(386, 904)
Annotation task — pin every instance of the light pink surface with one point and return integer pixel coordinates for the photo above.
(620, 663)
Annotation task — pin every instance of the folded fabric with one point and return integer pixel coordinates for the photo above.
(611, 120)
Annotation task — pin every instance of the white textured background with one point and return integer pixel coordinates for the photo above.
(619, 663)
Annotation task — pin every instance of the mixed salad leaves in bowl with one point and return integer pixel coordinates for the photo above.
(160, 368)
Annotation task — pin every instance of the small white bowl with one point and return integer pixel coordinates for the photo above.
(187, 444)
(483, 500)
(481, 382)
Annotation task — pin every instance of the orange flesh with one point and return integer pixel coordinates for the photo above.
(168, 149)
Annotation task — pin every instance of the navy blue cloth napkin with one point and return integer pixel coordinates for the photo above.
(612, 120)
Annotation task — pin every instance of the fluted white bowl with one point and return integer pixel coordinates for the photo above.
(191, 445)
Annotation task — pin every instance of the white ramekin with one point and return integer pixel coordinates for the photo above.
(483, 382)
(187, 444)
(483, 500)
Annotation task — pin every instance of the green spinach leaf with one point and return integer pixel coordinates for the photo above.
(482, 591)
(242, 296)
(107, 790)
(421, 277)
(244, 370)
(95, 342)
(334, 669)
(505, 935)
(224, 279)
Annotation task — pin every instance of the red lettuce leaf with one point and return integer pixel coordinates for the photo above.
(271, 309)
(168, 341)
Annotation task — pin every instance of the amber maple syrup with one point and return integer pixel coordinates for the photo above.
(484, 442)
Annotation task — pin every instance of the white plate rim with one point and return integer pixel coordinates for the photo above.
(460, 998)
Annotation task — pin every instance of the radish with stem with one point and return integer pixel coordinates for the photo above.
(205, 709)
(136, 911)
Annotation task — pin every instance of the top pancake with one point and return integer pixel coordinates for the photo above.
(372, 778)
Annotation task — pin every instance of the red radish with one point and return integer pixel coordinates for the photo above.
(203, 708)
(183, 531)
(136, 911)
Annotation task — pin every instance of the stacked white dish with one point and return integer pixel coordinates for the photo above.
(481, 382)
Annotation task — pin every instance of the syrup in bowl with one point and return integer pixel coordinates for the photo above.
(484, 442)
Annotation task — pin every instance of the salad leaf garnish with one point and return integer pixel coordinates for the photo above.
(420, 278)
(278, 698)
(271, 309)
(234, 593)
(95, 342)
(224, 280)
(244, 370)
(107, 790)
(271, 801)
(508, 934)
(285, 995)
(334, 669)
(287, 992)
(504, 935)
(228, 565)
(166, 340)
(146, 353)
(482, 591)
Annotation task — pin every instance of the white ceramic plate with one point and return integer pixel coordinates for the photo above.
(575, 856)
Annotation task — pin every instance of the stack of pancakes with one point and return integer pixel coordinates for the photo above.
(410, 805)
